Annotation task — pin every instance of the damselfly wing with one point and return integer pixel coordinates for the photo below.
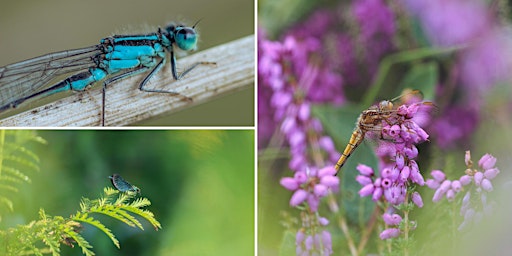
(122, 185)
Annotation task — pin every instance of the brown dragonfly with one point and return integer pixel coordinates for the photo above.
(372, 120)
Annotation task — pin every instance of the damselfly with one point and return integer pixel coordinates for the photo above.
(122, 185)
(114, 58)
(373, 120)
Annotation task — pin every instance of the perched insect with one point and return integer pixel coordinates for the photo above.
(374, 119)
(122, 185)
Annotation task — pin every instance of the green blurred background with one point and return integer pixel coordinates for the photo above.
(32, 28)
(200, 183)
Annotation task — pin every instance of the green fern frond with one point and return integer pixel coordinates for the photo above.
(110, 210)
(7, 202)
(53, 245)
(9, 188)
(84, 245)
(146, 215)
(15, 160)
(13, 172)
(110, 191)
(42, 215)
(140, 202)
(28, 153)
(23, 161)
(123, 198)
(83, 217)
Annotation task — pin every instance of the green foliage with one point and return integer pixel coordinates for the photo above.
(16, 160)
(46, 235)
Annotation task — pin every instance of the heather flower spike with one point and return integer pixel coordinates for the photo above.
(476, 183)
(391, 123)
(122, 185)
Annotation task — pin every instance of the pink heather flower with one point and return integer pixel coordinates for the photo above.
(298, 197)
(417, 178)
(327, 171)
(445, 186)
(391, 219)
(438, 195)
(450, 195)
(405, 173)
(491, 173)
(367, 190)
(299, 237)
(377, 194)
(332, 182)
(465, 180)
(478, 178)
(432, 184)
(487, 161)
(365, 170)
(416, 199)
(487, 185)
(395, 194)
(289, 183)
(363, 180)
(313, 202)
(438, 175)
(471, 210)
(323, 221)
(327, 242)
(456, 186)
(320, 190)
(389, 233)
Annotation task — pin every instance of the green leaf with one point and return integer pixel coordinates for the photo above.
(424, 77)
(339, 124)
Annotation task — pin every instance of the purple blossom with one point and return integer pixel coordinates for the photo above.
(451, 22)
(313, 244)
(311, 185)
(392, 219)
(377, 28)
(416, 199)
(477, 182)
(389, 233)
(455, 125)
(404, 133)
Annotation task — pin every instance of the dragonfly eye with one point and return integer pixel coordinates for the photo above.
(385, 105)
(186, 38)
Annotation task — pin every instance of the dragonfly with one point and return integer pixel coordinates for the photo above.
(114, 58)
(372, 120)
(122, 185)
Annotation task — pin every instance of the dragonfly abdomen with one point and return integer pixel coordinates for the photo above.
(356, 139)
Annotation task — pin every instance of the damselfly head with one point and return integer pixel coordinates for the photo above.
(185, 37)
(122, 185)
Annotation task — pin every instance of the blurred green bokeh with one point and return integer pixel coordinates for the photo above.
(33, 28)
(200, 183)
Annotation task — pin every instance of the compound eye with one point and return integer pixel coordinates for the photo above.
(186, 38)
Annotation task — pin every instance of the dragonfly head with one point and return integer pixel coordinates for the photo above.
(385, 105)
(184, 37)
